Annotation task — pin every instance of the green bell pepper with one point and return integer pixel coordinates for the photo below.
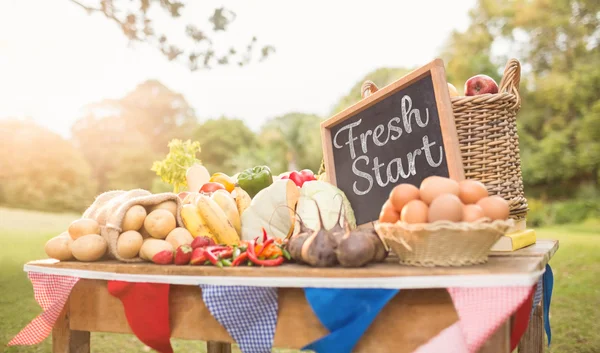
(253, 180)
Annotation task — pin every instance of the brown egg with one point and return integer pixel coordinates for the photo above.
(446, 207)
(402, 194)
(494, 207)
(414, 211)
(471, 213)
(471, 191)
(388, 213)
(434, 186)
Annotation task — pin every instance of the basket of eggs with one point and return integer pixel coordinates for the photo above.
(443, 222)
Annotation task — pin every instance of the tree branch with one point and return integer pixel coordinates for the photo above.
(108, 15)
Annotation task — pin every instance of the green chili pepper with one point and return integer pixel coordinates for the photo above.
(255, 179)
(286, 254)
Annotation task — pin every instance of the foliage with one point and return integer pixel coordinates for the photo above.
(562, 212)
(120, 138)
(221, 140)
(173, 168)
(381, 77)
(40, 170)
(136, 21)
(558, 44)
(294, 138)
(152, 110)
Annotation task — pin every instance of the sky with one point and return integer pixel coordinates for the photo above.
(55, 58)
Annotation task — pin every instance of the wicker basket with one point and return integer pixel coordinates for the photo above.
(442, 243)
(487, 133)
(489, 144)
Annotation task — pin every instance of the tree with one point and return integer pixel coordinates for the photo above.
(297, 138)
(221, 140)
(559, 44)
(121, 138)
(381, 77)
(135, 19)
(153, 110)
(120, 158)
(41, 170)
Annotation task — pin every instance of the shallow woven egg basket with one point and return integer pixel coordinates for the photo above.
(442, 243)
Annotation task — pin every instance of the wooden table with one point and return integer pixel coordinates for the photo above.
(424, 306)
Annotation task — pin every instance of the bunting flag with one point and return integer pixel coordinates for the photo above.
(249, 314)
(51, 292)
(355, 310)
(482, 311)
(147, 311)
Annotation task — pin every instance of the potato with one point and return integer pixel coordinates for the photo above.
(134, 218)
(159, 223)
(83, 227)
(179, 236)
(129, 244)
(59, 247)
(170, 206)
(151, 247)
(90, 247)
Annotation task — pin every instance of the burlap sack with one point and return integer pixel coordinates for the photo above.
(110, 207)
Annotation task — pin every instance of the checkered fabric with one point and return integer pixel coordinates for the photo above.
(249, 314)
(537, 296)
(51, 292)
(450, 340)
(482, 310)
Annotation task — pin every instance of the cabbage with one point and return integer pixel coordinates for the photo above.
(329, 199)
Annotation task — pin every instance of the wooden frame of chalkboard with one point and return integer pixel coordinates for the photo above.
(413, 116)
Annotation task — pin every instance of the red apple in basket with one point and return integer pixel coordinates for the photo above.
(480, 84)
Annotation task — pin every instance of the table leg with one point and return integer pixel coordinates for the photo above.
(217, 347)
(499, 342)
(533, 339)
(65, 340)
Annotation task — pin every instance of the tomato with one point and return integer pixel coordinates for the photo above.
(211, 187)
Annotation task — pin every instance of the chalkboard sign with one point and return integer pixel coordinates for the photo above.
(402, 133)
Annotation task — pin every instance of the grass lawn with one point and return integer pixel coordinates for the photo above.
(575, 312)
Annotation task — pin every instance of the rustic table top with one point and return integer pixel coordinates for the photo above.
(519, 268)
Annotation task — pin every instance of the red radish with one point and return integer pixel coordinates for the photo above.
(200, 242)
(164, 257)
(199, 256)
(183, 255)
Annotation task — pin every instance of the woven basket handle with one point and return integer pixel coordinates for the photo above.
(511, 79)
(368, 88)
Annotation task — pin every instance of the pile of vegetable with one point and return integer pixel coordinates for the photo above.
(203, 251)
(300, 217)
(327, 247)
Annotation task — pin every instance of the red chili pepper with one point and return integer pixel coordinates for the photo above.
(217, 248)
(225, 254)
(240, 259)
(265, 245)
(252, 256)
(265, 237)
(213, 259)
